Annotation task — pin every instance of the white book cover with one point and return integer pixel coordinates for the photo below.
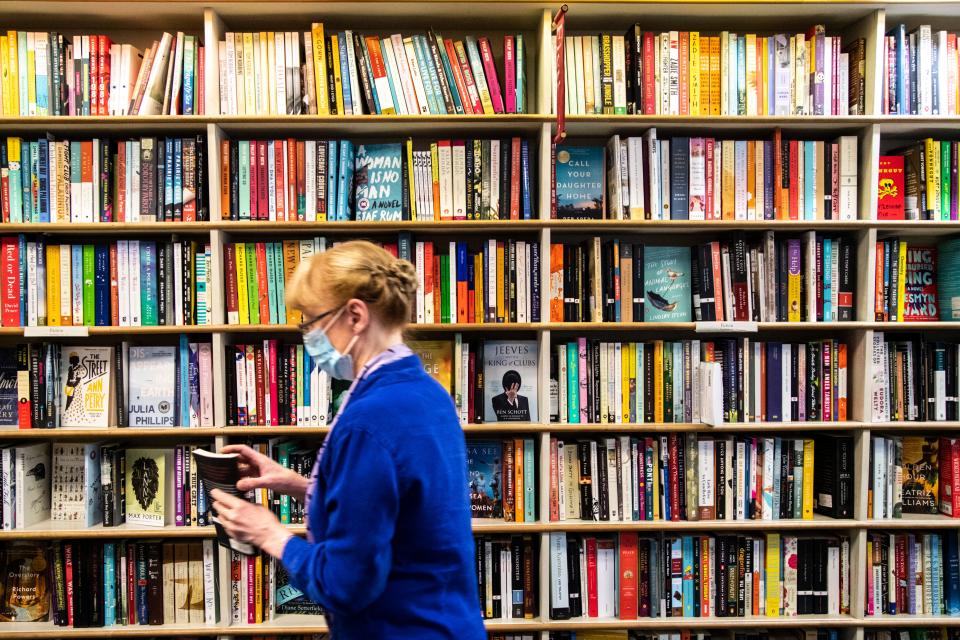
(459, 172)
(848, 177)
(76, 491)
(86, 387)
(664, 149)
(31, 264)
(134, 291)
(697, 177)
(178, 277)
(495, 205)
(222, 72)
(445, 164)
(399, 55)
(606, 578)
(925, 70)
(653, 164)
(628, 495)
(280, 73)
(522, 293)
(393, 76)
(636, 193)
(206, 384)
(415, 75)
(153, 96)
(133, 161)
(619, 76)
(452, 282)
(210, 594)
(151, 397)
(625, 176)
(32, 479)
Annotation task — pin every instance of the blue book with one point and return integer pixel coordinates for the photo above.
(827, 279)
(378, 182)
(429, 73)
(688, 600)
(666, 284)
(774, 394)
(345, 180)
(183, 381)
(345, 72)
(951, 586)
(809, 188)
(148, 284)
(333, 175)
(22, 267)
(8, 387)
(936, 573)
(580, 180)
(461, 274)
(43, 180)
(188, 78)
(484, 464)
(271, 282)
(101, 285)
(152, 376)
(109, 584)
(307, 369)
(525, 200)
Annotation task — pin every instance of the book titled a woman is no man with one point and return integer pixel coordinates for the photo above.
(221, 471)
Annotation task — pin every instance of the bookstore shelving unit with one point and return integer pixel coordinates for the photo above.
(139, 22)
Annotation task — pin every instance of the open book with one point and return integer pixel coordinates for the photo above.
(221, 471)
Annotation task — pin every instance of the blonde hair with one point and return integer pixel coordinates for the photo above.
(357, 269)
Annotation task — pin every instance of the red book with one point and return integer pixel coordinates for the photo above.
(509, 74)
(473, 94)
(261, 385)
(263, 184)
(649, 80)
(471, 302)
(121, 207)
(950, 476)
(68, 579)
(10, 316)
(717, 280)
(515, 179)
(114, 289)
(674, 477)
(890, 188)
(900, 567)
(593, 609)
(301, 200)
(684, 73)
(458, 78)
(272, 382)
(794, 175)
(279, 189)
(198, 106)
(254, 180)
(103, 77)
(462, 299)
(628, 573)
(490, 72)
(251, 591)
(230, 272)
(292, 384)
(262, 284)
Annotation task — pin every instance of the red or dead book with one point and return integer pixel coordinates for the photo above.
(890, 189)
(628, 575)
(920, 289)
(950, 477)
(593, 604)
(11, 283)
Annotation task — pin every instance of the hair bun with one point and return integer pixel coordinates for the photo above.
(404, 275)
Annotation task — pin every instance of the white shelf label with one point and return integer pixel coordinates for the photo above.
(56, 332)
(728, 326)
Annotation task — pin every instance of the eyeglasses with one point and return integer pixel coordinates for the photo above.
(305, 326)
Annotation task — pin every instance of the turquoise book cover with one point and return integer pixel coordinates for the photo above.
(378, 182)
(948, 279)
(580, 182)
(666, 281)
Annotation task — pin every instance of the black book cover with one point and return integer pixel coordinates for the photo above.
(794, 382)
(833, 475)
(720, 481)
(177, 161)
(821, 602)
(81, 583)
(638, 295)
(633, 52)
(587, 512)
(478, 385)
(332, 97)
(189, 249)
(603, 491)
(534, 280)
(230, 378)
(695, 283)
(94, 560)
(162, 153)
(708, 311)
(200, 179)
(512, 280)
(804, 562)
(722, 577)
(569, 294)
(595, 397)
(481, 561)
(608, 309)
(573, 577)
(366, 82)
(668, 365)
(748, 561)
(679, 178)
(505, 163)
(497, 567)
(846, 273)
(154, 583)
(733, 575)
(681, 472)
(583, 283)
(786, 462)
(162, 277)
(221, 471)
(828, 203)
(782, 270)
(235, 179)
(814, 376)
(742, 544)
(471, 211)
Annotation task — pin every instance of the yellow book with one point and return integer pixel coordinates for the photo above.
(773, 572)
(752, 181)
(320, 68)
(258, 587)
(807, 505)
(518, 480)
(53, 285)
(656, 477)
(410, 180)
(14, 61)
(793, 293)
(31, 76)
(435, 176)
(751, 74)
(249, 75)
(500, 273)
(727, 187)
(724, 52)
(291, 258)
(695, 73)
(625, 381)
(714, 76)
(764, 77)
(241, 275)
(704, 75)
(658, 381)
(5, 74)
(902, 277)
(337, 80)
(931, 159)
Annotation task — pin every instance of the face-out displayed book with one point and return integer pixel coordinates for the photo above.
(437, 359)
(77, 495)
(510, 377)
(87, 387)
(484, 464)
(579, 182)
(666, 284)
(25, 473)
(378, 182)
(221, 471)
(25, 582)
(152, 386)
(150, 487)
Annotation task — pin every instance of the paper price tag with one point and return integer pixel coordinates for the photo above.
(726, 326)
(56, 332)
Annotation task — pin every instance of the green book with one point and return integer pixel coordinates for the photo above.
(253, 285)
(244, 179)
(271, 283)
(945, 147)
(444, 289)
(529, 488)
(948, 279)
(88, 294)
(573, 383)
(281, 285)
(283, 457)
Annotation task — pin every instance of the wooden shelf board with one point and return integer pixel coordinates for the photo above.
(559, 429)
(705, 226)
(113, 228)
(354, 226)
(418, 328)
(940, 325)
(51, 530)
(915, 521)
(818, 522)
(111, 433)
(583, 624)
(49, 630)
(907, 620)
(913, 425)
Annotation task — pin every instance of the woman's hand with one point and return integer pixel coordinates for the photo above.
(248, 522)
(261, 472)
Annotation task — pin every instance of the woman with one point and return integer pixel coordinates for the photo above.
(389, 551)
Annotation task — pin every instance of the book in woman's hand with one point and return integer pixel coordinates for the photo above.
(222, 471)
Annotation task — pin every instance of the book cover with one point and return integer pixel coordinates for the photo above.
(77, 494)
(220, 471)
(484, 465)
(948, 279)
(150, 486)
(33, 484)
(86, 387)
(152, 390)
(580, 182)
(666, 283)
(378, 182)
(9, 396)
(890, 189)
(920, 474)
(510, 374)
(289, 599)
(25, 583)
(920, 286)
(437, 359)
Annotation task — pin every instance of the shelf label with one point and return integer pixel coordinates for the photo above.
(56, 332)
(728, 326)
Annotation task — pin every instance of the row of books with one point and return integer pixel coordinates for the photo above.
(690, 477)
(919, 182)
(313, 180)
(920, 70)
(689, 73)
(914, 633)
(125, 283)
(914, 474)
(50, 74)
(684, 381)
(809, 278)
(906, 281)
(502, 479)
(913, 380)
(507, 577)
(147, 179)
(913, 573)
(716, 634)
(290, 454)
(346, 73)
(708, 576)
(260, 589)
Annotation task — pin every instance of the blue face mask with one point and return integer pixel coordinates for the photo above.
(325, 355)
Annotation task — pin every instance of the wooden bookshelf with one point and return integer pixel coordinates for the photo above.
(140, 22)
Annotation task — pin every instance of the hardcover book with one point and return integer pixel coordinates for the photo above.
(920, 474)
(948, 279)
(25, 582)
(890, 189)
(86, 387)
(150, 487)
(77, 494)
(437, 359)
(9, 397)
(666, 283)
(152, 387)
(579, 182)
(288, 598)
(33, 484)
(378, 182)
(920, 287)
(484, 464)
(510, 375)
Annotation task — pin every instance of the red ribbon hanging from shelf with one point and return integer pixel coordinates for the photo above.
(558, 30)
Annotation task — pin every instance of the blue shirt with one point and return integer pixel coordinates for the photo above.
(393, 555)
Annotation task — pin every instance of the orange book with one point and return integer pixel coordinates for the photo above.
(224, 179)
(628, 575)
(291, 196)
(462, 299)
(291, 257)
(842, 368)
(752, 181)
(518, 479)
(777, 176)
(556, 282)
(262, 284)
(717, 280)
(86, 174)
(714, 75)
(684, 73)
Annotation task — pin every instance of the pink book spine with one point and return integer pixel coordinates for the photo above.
(490, 71)
(251, 590)
(582, 381)
(708, 199)
(510, 73)
(274, 395)
(178, 485)
(827, 399)
(206, 384)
